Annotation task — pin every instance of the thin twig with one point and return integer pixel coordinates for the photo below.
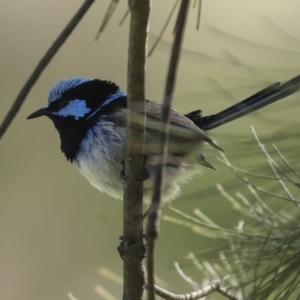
(230, 274)
(258, 175)
(154, 211)
(109, 274)
(288, 165)
(213, 286)
(71, 297)
(163, 29)
(124, 17)
(109, 12)
(274, 167)
(199, 14)
(104, 293)
(133, 274)
(42, 65)
(245, 180)
(185, 277)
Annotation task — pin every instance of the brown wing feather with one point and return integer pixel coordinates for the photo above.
(182, 128)
(184, 134)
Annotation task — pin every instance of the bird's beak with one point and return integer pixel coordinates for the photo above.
(41, 112)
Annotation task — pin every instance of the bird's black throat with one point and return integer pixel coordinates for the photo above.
(72, 131)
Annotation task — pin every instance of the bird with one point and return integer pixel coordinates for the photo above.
(90, 117)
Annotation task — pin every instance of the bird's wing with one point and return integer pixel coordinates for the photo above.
(182, 129)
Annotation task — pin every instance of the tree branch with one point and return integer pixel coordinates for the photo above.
(42, 65)
(154, 211)
(134, 281)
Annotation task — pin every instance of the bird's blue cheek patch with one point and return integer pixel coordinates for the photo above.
(76, 108)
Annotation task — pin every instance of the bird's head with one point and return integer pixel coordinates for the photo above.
(75, 104)
(78, 98)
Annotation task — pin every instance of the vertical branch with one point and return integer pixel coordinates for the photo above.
(134, 281)
(154, 212)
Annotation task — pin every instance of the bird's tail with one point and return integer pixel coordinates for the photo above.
(257, 101)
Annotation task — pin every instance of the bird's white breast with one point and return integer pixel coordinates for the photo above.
(100, 161)
(100, 156)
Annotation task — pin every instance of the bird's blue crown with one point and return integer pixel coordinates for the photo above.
(80, 97)
(64, 86)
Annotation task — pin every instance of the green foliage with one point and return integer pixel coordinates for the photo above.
(260, 259)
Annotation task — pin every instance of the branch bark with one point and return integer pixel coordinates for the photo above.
(134, 281)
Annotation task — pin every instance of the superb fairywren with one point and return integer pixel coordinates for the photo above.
(90, 116)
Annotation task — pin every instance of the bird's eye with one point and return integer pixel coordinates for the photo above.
(62, 103)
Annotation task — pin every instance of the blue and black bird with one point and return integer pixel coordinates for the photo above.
(90, 116)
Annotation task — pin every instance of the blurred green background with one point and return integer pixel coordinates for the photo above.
(55, 229)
